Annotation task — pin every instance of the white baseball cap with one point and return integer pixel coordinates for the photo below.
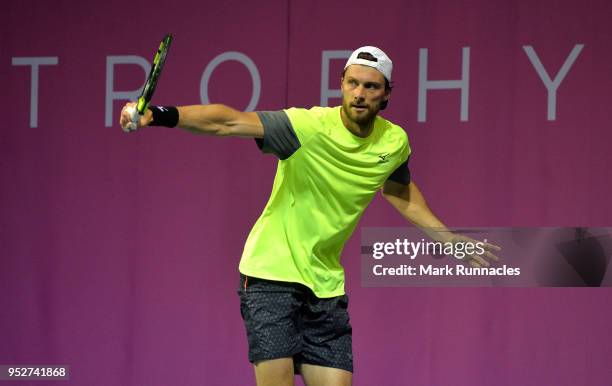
(382, 62)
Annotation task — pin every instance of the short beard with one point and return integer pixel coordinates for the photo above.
(364, 120)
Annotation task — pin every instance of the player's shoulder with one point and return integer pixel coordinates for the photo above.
(314, 112)
(309, 122)
(393, 132)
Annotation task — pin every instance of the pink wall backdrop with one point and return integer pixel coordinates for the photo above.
(119, 253)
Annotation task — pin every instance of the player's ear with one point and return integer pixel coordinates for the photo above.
(385, 99)
(387, 95)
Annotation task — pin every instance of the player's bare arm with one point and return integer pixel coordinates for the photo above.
(214, 119)
(410, 203)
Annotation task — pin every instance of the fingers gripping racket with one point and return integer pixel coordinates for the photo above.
(150, 84)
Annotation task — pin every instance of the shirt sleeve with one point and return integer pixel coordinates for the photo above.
(279, 136)
(401, 174)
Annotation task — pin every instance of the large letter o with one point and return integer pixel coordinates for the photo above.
(239, 57)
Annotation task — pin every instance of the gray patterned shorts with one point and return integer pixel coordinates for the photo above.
(287, 320)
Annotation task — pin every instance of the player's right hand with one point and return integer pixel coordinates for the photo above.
(131, 121)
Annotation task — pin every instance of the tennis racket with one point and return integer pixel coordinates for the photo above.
(150, 84)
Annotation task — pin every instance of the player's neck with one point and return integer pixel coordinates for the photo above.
(360, 130)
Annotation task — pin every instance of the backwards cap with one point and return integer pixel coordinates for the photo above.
(381, 61)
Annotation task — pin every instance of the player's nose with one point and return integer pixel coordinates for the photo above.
(358, 92)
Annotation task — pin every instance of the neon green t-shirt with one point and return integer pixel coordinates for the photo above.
(326, 177)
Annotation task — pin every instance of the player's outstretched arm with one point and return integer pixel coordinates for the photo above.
(408, 200)
(215, 119)
(220, 120)
(410, 203)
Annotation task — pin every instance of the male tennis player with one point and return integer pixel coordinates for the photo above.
(333, 160)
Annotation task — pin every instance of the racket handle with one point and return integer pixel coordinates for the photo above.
(134, 118)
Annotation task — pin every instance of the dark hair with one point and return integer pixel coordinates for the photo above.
(388, 85)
